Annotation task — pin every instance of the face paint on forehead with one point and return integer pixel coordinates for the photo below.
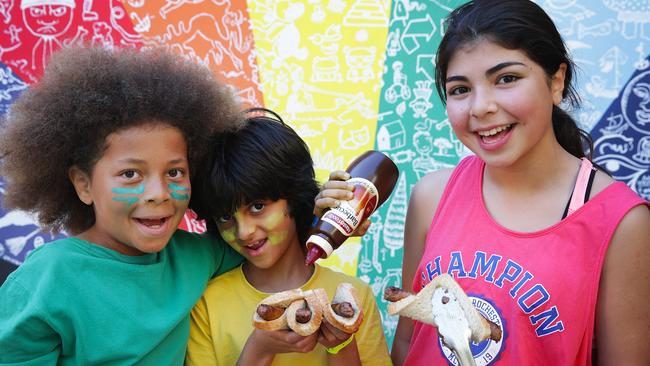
(184, 196)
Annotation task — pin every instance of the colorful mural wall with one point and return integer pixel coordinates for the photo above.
(348, 75)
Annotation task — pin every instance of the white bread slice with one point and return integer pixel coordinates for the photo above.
(314, 303)
(344, 292)
(418, 307)
(281, 299)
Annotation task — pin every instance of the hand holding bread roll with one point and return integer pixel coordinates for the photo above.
(344, 311)
(444, 304)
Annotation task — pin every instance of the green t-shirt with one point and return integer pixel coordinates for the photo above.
(76, 303)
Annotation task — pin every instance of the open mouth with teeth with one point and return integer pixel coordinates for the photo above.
(153, 223)
(256, 245)
(494, 134)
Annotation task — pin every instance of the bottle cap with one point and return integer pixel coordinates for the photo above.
(318, 247)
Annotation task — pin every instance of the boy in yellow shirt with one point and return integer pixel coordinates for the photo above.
(257, 191)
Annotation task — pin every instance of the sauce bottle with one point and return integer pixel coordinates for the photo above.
(373, 175)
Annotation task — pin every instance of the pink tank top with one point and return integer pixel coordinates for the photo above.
(540, 287)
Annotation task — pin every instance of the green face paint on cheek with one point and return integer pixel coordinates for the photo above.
(182, 196)
(272, 222)
(278, 237)
(229, 236)
(121, 194)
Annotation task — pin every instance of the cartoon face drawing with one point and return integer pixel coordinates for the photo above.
(47, 18)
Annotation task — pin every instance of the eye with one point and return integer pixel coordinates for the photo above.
(257, 207)
(130, 174)
(223, 219)
(458, 90)
(176, 173)
(506, 79)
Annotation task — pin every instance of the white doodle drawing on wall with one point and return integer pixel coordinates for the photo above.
(421, 105)
(327, 161)
(424, 144)
(102, 35)
(87, 14)
(635, 102)
(5, 10)
(359, 61)
(416, 31)
(222, 35)
(642, 154)
(393, 230)
(283, 31)
(10, 85)
(642, 62)
(353, 139)
(326, 67)
(48, 20)
(141, 25)
(635, 15)
(372, 239)
(566, 14)
(117, 13)
(399, 88)
(14, 39)
(367, 14)
(425, 65)
(391, 136)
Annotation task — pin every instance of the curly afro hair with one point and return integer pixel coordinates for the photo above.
(87, 94)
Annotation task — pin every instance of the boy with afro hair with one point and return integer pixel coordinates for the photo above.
(103, 147)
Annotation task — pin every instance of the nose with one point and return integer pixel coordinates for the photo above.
(156, 191)
(483, 103)
(245, 227)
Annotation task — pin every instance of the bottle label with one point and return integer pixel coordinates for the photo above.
(349, 214)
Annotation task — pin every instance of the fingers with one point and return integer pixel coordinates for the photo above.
(306, 344)
(336, 185)
(339, 175)
(335, 333)
(330, 336)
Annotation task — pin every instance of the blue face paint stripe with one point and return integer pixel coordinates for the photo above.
(137, 190)
(129, 200)
(178, 196)
(176, 187)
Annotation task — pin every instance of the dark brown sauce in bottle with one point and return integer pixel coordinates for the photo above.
(374, 176)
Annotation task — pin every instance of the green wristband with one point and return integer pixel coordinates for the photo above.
(334, 350)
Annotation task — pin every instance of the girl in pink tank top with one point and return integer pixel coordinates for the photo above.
(562, 287)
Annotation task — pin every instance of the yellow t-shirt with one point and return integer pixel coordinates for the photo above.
(221, 322)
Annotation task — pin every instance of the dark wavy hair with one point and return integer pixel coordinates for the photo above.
(517, 25)
(87, 94)
(264, 160)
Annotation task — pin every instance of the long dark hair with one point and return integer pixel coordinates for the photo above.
(265, 159)
(517, 25)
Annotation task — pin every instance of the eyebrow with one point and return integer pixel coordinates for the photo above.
(492, 70)
(141, 161)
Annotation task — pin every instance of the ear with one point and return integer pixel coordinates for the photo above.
(81, 182)
(557, 84)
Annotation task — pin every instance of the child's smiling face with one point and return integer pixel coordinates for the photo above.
(139, 189)
(261, 231)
